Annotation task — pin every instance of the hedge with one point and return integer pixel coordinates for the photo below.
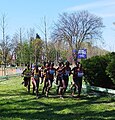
(99, 71)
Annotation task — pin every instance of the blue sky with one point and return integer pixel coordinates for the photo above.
(30, 13)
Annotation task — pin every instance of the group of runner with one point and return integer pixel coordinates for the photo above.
(48, 72)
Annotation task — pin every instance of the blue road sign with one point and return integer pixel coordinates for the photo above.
(82, 53)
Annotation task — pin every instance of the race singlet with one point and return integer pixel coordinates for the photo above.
(52, 72)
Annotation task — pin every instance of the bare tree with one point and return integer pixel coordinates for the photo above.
(37, 47)
(44, 32)
(31, 35)
(5, 42)
(76, 28)
(18, 44)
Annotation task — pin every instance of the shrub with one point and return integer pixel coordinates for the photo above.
(95, 71)
(111, 68)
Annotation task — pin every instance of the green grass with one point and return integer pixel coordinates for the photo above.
(16, 104)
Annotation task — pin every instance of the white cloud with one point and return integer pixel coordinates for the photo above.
(94, 5)
(107, 15)
(103, 8)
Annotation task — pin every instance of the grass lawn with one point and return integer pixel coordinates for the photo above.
(16, 104)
